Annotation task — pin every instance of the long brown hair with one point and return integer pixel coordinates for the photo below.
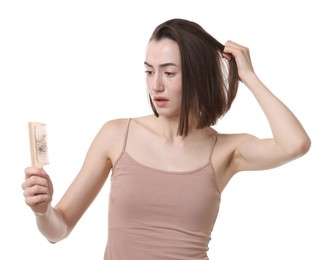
(209, 82)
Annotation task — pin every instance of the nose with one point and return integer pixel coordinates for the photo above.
(158, 85)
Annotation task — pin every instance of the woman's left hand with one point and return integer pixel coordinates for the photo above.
(242, 57)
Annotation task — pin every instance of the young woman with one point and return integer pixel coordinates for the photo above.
(169, 168)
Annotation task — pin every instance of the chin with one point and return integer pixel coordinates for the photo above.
(169, 114)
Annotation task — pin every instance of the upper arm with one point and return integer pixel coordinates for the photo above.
(252, 153)
(93, 173)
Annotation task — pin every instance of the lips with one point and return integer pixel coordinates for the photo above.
(160, 101)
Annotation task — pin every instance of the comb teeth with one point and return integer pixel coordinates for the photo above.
(38, 144)
(41, 144)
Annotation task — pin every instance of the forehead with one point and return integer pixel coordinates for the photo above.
(162, 51)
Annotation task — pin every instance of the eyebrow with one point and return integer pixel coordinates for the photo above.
(161, 65)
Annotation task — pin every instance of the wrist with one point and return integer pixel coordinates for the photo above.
(250, 78)
(43, 214)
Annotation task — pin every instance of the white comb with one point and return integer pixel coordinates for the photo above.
(38, 144)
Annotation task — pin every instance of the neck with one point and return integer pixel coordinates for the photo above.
(168, 128)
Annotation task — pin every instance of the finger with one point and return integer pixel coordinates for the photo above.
(231, 50)
(33, 170)
(227, 55)
(232, 44)
(29, 171)
(35, 180)
(235, 48)
(38, 200)
(35, 190)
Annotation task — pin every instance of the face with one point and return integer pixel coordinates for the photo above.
(164, 77)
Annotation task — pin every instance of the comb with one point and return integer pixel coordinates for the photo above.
(38, 144)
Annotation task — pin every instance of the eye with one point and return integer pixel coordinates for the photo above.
(149, 72)
(170, 74)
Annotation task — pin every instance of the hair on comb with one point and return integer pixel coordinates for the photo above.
(38, 144)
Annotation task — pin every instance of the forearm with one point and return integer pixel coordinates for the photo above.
(52, 225)
(287, 131)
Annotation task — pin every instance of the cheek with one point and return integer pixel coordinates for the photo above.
(148, 84)
(179, 91)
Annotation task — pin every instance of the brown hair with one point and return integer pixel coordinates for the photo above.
(209, 82)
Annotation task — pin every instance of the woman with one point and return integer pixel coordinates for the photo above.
(169, 169)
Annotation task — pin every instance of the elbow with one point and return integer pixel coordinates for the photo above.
(55, 239)
(299, 147)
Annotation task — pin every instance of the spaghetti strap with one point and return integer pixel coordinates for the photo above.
(124, 144)
(126, 135)
(212, 149)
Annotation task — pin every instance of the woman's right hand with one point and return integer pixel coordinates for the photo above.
(37, 190)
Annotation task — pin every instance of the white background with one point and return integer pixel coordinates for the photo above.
(77, 64)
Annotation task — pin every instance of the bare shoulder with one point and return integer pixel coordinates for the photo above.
(115, 130)
(228, 144)
(225, 149)
(115, 125)
(112, 135)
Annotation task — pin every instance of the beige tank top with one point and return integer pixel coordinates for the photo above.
(160, 215)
